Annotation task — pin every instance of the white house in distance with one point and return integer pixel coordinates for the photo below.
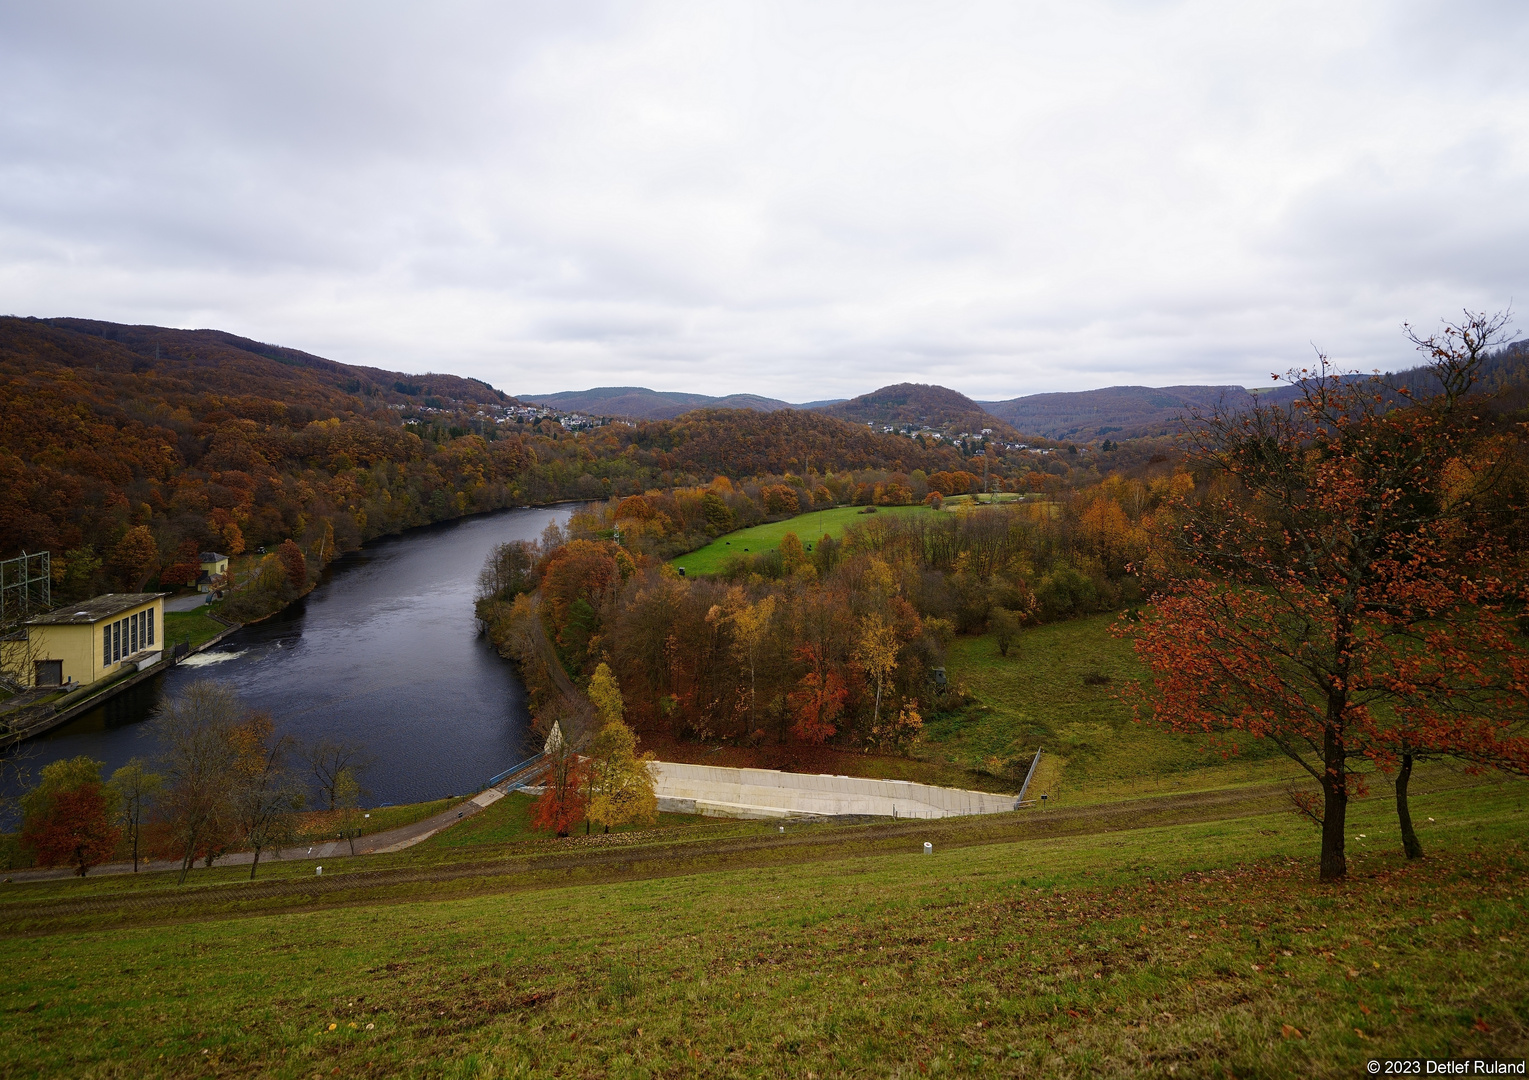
(85, 642)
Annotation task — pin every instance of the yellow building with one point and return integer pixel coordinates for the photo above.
(82, 643)
(214, 569)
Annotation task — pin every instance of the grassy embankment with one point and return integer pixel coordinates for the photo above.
(1131, 946)
(809, 528)
(191, 627)
(1059, 690)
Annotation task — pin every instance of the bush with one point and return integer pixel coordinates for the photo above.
(1066, 592)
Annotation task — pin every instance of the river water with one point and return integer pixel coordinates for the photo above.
(384, 652)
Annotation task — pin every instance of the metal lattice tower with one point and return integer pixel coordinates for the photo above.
(26, 586)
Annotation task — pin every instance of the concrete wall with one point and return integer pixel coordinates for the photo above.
(766, 793)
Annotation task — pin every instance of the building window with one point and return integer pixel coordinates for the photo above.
(49, 672)
(148, 622)
(132, 631)
(116, 641)
(105, 645)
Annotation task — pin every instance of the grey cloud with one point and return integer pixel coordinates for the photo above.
(800, 200)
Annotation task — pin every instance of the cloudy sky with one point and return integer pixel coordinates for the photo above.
(803, 200)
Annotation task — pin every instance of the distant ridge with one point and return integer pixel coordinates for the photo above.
(640, 403)
(1123, 412)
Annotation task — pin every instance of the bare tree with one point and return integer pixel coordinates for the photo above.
(329, 759)
(198, 755)
(266, 792)
(348, 800)
(138, 787)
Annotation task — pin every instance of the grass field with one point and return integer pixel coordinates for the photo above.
(809, 528)
(1072, 943)
(953, 502)
(192, 627)
(1059, 690)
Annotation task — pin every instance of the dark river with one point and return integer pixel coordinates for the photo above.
(383, 652)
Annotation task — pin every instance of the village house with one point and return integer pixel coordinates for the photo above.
(83, 643)
(214, 570)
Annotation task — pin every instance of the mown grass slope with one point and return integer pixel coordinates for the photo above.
(1059, 690)
(1202, 948)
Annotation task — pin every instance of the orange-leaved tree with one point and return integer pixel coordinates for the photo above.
(1338, 590)
(563, 801)
(68, 816)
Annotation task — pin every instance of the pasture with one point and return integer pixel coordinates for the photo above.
(809, 528)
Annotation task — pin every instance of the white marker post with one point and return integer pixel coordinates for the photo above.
(928, 848)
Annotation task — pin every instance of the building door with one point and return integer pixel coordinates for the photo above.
(49, 672)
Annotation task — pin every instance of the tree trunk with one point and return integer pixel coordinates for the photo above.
(1410, 842)
(1334, 805)
(189, 859)
(137, 828)
(255, 863)
(351, 836)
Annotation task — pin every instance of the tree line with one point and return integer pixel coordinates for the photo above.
(223, 781)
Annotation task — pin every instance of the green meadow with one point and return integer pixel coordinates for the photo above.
(809, 528)
(1060, 691)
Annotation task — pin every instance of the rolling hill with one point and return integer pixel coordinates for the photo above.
(224, 363)
(920, 404)
(1119, 411)
(640, 403)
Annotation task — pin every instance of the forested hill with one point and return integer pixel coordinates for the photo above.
(123, 449)
(204, 438)
(741, 442)
(233, 366)
(640, 403)
(1115, 411)
(921, 405)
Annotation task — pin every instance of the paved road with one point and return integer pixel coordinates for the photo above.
(372, 844)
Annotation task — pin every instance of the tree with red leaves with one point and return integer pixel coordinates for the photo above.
(73, 829)
(295, 564)
(564, 801)
(818, 699)
(1339, 588)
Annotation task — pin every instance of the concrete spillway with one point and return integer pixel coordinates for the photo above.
(765, 793)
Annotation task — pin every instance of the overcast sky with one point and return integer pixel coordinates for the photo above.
(803, 200)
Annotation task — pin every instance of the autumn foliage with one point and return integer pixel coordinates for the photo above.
(72, 828)
(1345, 587)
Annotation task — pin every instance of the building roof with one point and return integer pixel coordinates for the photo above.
(211, 556)
(95, 609)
